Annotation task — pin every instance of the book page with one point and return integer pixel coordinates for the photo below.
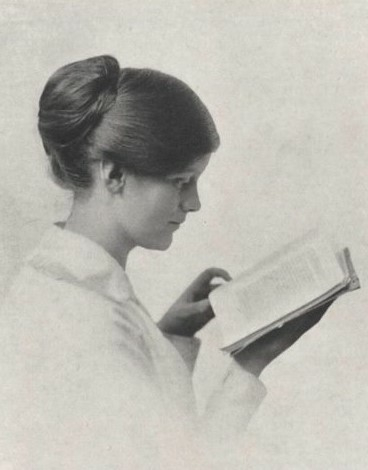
(333, 293)
(277, 286)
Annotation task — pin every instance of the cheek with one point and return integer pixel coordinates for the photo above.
(165, 204)
(151, 206)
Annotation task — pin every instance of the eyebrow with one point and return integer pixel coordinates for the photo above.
(184, 174)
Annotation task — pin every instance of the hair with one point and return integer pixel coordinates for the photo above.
(142, 120)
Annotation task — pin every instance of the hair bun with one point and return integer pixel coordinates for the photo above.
(75, 99)
(108, 80)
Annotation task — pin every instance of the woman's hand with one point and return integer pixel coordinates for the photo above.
(258, 355)
(192, 311)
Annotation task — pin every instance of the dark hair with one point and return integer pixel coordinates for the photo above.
(145, 121)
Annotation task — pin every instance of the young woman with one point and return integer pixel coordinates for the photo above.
(88, 380)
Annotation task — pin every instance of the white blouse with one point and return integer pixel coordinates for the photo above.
(88, 381)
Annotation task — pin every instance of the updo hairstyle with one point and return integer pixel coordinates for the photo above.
(142, 120)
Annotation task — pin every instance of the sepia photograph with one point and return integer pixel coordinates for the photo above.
(183, 246)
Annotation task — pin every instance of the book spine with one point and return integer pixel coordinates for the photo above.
(354, 282)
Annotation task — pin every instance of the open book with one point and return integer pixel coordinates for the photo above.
(300, 277)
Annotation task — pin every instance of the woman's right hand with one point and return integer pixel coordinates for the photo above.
(259, 354)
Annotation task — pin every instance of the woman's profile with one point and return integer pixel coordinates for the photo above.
(89, 381)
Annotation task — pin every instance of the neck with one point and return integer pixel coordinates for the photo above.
(92, 222)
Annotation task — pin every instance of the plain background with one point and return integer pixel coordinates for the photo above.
(286, 82)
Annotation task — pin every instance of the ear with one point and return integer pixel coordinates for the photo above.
(112, 176)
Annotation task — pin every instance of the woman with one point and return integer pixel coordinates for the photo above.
(88, 379)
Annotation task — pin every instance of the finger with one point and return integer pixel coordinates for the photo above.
(308, 319)
(323, 308)
(214, 286)
(296, 328)
(204, 314)
(311, 318)
(201, 307)
(201, 286)
(196, 315)
(210, 273)
(202, 311)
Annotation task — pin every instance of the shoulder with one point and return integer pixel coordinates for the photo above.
(53, 314)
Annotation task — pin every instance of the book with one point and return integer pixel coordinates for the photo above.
(297, 279)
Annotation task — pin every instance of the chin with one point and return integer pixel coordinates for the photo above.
(161, 244)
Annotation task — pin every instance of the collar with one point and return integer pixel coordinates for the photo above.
(65, 255)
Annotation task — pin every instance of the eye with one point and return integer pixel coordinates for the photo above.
(180, 182)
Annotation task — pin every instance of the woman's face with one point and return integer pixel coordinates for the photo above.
(152, 209)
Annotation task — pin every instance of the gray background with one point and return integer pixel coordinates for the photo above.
(286, 82)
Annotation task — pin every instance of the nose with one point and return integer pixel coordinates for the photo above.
(191, 201)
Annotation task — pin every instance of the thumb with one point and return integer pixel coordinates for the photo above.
(201, 306)
(203, 312)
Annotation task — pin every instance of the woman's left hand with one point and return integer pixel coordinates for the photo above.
(192, 311)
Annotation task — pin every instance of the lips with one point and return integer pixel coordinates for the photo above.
(176, 223)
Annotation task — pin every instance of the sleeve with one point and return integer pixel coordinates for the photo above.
(93, 401)
(232, 404)
(223, 424)
(128, 424)
(96, 402)
(226, 417)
